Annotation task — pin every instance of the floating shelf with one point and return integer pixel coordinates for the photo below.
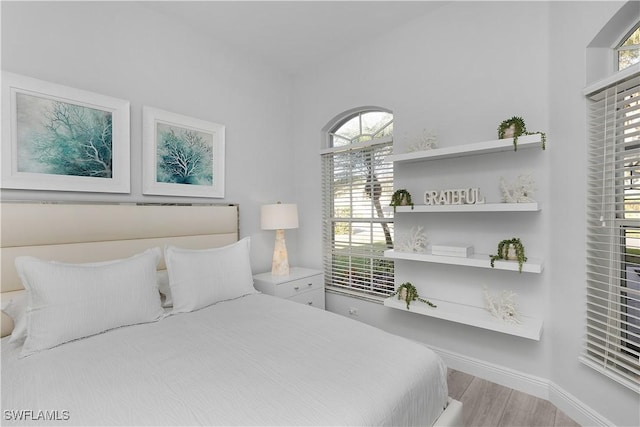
(530, 327)
(475, 260)
(524, 142)
(478, 207)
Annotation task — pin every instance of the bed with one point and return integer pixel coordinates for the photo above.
(191, 353)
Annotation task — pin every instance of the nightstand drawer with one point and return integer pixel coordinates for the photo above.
(299, 286)
(302, 285)
(313, 298)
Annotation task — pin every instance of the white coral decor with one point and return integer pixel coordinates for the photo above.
(427, 141)
(415, 241)
(519, 191)
(506, 309)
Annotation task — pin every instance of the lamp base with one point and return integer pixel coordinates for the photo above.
(280, 263)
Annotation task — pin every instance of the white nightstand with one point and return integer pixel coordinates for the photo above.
(302, 285)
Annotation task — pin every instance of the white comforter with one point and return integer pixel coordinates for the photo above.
(256, 360)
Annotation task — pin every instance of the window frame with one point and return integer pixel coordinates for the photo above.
(613, 191)
(620, 47)
(378, 145)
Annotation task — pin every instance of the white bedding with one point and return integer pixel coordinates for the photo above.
(255, 360)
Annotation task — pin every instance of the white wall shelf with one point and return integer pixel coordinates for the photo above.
(478, 207)
(530, 328)
(524, 142)
(532, 265)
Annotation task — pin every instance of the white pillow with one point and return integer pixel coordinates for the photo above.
(16, 308)
(72, 301)
(163, 285)
(199, 278)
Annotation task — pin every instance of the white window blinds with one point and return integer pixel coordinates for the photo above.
(357, 185)
(612, 344)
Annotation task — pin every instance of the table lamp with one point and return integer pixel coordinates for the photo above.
(279, 216)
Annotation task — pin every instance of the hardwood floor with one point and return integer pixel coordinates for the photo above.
(487, 404)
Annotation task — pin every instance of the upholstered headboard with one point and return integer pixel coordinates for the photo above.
(98, 232)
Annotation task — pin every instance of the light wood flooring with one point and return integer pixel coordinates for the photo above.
(491, 405)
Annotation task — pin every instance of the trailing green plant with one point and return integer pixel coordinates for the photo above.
(410, 294)
(401, 198)
(503, 252)
(519, 128)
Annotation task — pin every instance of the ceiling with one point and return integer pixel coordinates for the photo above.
(293, 35)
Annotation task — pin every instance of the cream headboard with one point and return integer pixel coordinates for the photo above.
(99, 232)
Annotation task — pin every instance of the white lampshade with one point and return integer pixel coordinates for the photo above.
(279, 216)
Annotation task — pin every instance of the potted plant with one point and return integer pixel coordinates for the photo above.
(510, 249)
(513, 128)
(408, 293)
(401, 198)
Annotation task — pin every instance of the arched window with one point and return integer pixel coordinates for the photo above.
(362, 127)
(628, 52)
(357, 185)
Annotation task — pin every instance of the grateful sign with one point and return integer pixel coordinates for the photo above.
(460, 196)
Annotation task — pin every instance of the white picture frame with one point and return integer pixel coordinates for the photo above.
(60, 138)
(182, 156)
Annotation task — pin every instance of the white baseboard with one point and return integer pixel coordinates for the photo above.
(530, 384)
(574, 408)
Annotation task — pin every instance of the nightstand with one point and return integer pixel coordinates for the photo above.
(302, 285)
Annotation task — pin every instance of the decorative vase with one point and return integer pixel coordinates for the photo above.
(403, 294)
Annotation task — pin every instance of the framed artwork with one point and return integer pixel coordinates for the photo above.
(56, 137)
(182, 156)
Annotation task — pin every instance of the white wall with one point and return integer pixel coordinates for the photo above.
(461, 70)
(573, 26)
(129, 51)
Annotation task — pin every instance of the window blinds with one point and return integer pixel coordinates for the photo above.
(357, 186)
(612, 343)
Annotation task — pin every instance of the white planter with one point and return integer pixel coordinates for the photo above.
(509, 252)
(510, 131)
